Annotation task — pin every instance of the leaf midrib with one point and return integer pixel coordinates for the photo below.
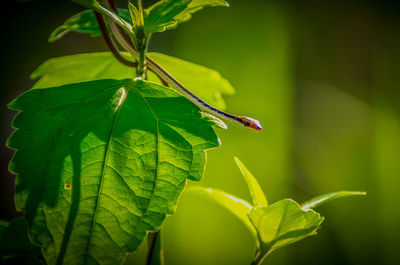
(124, 95)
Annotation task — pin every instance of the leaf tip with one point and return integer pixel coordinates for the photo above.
(237, 161)
(58, 33)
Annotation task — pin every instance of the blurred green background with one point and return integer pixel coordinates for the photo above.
(323, 78)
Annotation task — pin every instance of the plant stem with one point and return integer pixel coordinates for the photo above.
(110, 43)
(111, 4)
(140, 5)
(141, 68)
(141, 39)
(154, 245)
(123, 40)
(259, 257)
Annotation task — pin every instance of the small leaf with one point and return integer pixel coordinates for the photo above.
(167, 14)
(101, 163)
(14, 241)
(319, 200)
(238, 207)
(83, 22)
(256, 192)
(283, 223)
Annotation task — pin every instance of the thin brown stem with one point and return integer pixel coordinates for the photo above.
(111, 4)
(110, 43)
(152, 245)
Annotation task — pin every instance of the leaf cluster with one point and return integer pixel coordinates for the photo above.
(161, 16)
(273, 226)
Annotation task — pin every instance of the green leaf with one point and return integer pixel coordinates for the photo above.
(161, 16)
(169, 13)
(238, 207)
(206, 83)
(14, 241)
(283, 223)
(256, 192)
(101, 163)
(319, 200)
(83, 22)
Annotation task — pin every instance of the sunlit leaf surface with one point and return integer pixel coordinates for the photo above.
(283, 223)
(100, 163)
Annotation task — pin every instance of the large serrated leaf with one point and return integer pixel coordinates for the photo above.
(100, 163)
(283, 223)
(169, 13)
(204, 82)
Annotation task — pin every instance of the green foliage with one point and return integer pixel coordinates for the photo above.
(83, 22)
(14, 241)
(273, 226)
(97, 171)
(206, 83)
(283, 223)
